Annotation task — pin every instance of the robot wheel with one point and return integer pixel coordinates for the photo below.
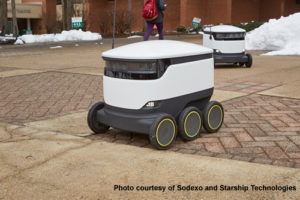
(163, 132)
(190, 123)
(213, 116)
(94, 125)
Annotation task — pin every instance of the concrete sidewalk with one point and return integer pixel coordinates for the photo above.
(48, 152)
(52, 165)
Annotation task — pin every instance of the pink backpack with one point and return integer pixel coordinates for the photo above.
(149, 10)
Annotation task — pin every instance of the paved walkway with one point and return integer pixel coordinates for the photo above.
(257, 128)
(47, 92)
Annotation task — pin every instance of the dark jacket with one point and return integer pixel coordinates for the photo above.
(160, 5)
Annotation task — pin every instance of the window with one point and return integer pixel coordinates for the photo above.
(229, 36)
(135, 70)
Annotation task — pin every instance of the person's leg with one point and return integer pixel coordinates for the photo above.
(149, 31)
(160, 27)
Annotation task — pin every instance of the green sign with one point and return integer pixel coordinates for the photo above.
(196, 22)
(76, 22)
(26, 32)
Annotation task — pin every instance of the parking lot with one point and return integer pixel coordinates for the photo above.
(46, 93)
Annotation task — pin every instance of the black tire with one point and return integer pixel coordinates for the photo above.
(190, 123)
(249, 63)
(213, 116)
(94, 125)
(163, 132)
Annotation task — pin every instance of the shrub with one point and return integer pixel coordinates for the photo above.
(105, 23)
(181, 29)
(249, 26)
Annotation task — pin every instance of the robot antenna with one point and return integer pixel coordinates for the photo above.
(114, 25)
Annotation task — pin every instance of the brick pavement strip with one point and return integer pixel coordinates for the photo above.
(44, 95)
(257, 128)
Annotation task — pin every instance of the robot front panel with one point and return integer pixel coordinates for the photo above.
(224, 45)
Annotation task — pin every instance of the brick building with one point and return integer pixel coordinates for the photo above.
(98, 13)
(37, 15)
(182, 12)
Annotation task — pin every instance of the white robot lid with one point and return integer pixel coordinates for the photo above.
(224, 29)
(156, 49)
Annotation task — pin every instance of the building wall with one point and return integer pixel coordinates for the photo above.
(193, 8)
(172, 14)
(291, 7)
(49, 15)
(270, 9)
(221, 11)
(99, 13)
(245, 11)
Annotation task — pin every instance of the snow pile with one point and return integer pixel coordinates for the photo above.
(280, 35)
(73, 35)
(19, 41)
(7, 39)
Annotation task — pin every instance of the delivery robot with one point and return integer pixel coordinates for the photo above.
(158, 88)
(228, 44)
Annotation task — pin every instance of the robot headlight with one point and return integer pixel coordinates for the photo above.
(217, 51)
(151, 104)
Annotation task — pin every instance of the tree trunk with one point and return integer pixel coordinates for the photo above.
(3, 17)
(83, 16)
(129, 15)
(67, 8)
(145, 23)
(14, 18)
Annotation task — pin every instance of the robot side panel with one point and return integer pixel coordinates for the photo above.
(178, 80)
(206, 41)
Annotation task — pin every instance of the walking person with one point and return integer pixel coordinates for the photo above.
(160, 6)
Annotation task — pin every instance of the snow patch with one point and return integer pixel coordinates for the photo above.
(72, 35)
(294, 50)
(56, 47)
(282, 36)
(19, 41)
(134, 36)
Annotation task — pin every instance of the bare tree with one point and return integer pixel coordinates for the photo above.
(67, 8)
(129, 14)
(3, 16)
(14, 18)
